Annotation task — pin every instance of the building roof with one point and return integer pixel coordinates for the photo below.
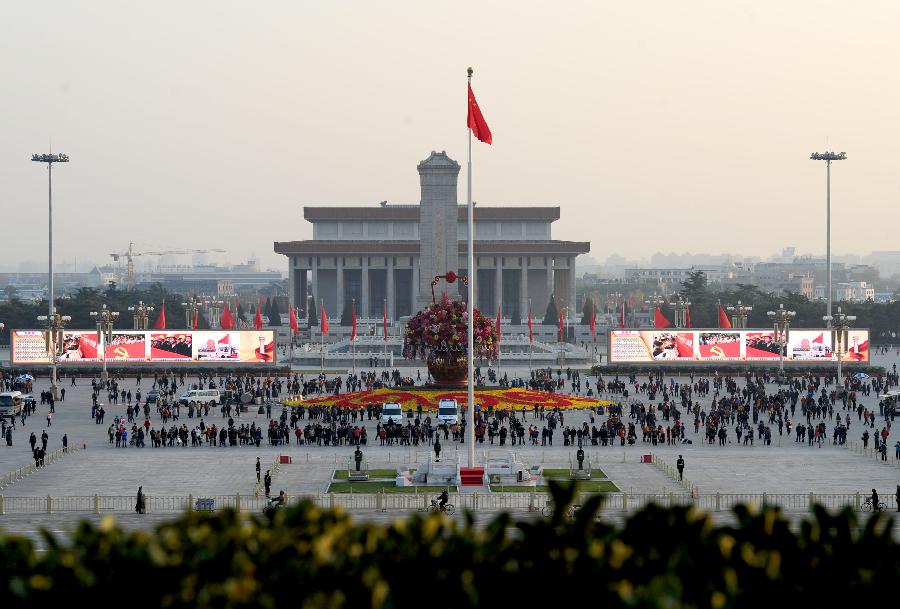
(411, 213)
(412, 247)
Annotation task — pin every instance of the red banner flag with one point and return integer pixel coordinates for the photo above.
(257, 321)
(323, 321)
(593, 323)
(724, 322)
(659, 320)
(385, 323)
(226, 321)
(161, 320)
(498, 324)
(293, 322)
(475, 120)
(560, 326)
(196, 319)
(353, 321)
(622, 319)
(530, 329)
(687, 318)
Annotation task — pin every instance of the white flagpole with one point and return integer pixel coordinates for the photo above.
(470, 305)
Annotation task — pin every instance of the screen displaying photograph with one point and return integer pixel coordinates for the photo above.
(720, 345)
(217, 346)
(79, 347)
(127, 347)
(171, 346)
(672, 345)
(29, 347)
(762, 345)
(809, 345)
(857, 347)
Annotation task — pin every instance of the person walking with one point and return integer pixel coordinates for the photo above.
(437, 448)
(49, 415)
(680, 465)
(258, 469)
(140, 505)
(65, 442)
(267, 482)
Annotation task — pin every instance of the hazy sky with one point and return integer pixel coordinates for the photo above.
(655, 125)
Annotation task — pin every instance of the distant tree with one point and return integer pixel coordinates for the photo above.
(313, 313)
(551, 317)
(274, 313)
(586, 310)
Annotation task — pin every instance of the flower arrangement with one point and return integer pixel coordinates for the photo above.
(441, 328)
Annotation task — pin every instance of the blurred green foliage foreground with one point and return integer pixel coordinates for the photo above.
(310, 557)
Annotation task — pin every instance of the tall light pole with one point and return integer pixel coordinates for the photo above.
(839, 338)
(191, 309)
(681, 309)
(782, 321)
(739, 314)
(828, 156)
(654, 303)
(105, 319)
(54, 340)
(141, 314)
(50, 159)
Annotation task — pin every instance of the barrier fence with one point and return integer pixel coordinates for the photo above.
(410, 502)
(26, 470)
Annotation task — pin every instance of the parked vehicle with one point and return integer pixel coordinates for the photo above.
(391, 412)
(448, 411)
(11, 403)
(200, 396)
(153, 395)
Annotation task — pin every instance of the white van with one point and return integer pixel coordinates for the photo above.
(11, 404)
(200, 396)
(391, 412)
(448, 411)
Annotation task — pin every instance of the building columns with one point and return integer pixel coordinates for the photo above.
(523, 291)
(549, 281)
(315, 292)
(340, 285)
(498, 285)
(364, 304)
(390, 288)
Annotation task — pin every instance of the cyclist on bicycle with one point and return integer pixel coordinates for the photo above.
(442, 499)
(875, 507)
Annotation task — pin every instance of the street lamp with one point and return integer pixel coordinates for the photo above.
(51, 309)
(214, 305)
(191, 307)
(739, 314)
(828, 157)
(141, 314)
(839, 338)
(105, 319)
(681, 312)
(654, 303)
(782, 320)
(54, 340)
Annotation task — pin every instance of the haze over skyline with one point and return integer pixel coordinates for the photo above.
(654, 126)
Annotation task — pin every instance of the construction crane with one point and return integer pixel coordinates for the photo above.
(130, 254)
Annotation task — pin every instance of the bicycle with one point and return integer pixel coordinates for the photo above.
(867, 506)
(448, 508)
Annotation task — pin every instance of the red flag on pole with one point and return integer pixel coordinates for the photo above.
(353, 321)
(257, 321)
(622, 318)
(687, 317)
(323, 321)
(593, 323)
(476, 121)
(530, 329)
(196, 319)
(724, 322)
(659, 320)
(293, 322)
(226, 321)
(498, 324)
(385, 323)
(161, 320)
(560, 326)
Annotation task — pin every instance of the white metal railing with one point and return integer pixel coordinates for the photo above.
(419, 501)
(26, 470)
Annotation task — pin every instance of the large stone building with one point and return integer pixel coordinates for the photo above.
(389, 254)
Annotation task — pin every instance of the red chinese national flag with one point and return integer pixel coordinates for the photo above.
(687, 318)
(498, 325)
(257, 321)
(353, 322)
(293, 322)
(161, 320)
(530, 329)
(476, 121)
(819, 339)
(323, 321)
(196, 321)
(226, 321)
(659, 320)
(723, 319)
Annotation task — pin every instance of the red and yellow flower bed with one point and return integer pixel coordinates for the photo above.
(498, 399)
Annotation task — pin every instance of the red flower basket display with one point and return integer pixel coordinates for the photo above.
(438, 334)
